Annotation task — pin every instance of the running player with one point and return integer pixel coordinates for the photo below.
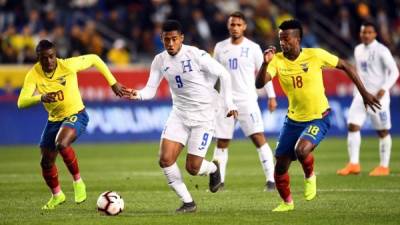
(56, 83)
(299, 71)
(191, 74)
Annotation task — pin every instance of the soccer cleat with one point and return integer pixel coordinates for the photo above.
(80, 191)
(380, 171)
(215, 179)
(350, 168)
(284, 207)
(270, 186)
(310, 187)
(55, 201)
(188, 207)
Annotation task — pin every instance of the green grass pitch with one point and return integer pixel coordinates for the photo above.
(132, 170)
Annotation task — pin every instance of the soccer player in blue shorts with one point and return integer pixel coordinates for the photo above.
(299, 71)
(55, 81)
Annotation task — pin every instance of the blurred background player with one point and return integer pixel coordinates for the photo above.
(379, 73)
(56, 82)
(300, 74)
(242, 58)
(191, 74)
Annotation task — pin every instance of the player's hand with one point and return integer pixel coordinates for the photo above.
(371, 101)
(48, 97)
(233, 113)
(119, 90)
(269, 54)
(272, 104)
(134, 94)
(380, 94)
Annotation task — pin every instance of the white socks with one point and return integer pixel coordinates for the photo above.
(175, 181)
(353, 146)
(267, 161)
(221, 155)
(206, 168)
(385, 147)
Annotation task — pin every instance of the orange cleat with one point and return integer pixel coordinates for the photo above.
(350, 168)
(380, 171)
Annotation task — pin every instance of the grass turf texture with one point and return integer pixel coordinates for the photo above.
(132, 170)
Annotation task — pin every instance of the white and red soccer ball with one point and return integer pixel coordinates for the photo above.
(110, 203)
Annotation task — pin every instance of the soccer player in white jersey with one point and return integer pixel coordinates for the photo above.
(191, 74)
(379, 73)
(242, 58)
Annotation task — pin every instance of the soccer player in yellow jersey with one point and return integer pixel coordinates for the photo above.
(56, 85)
(299, 71)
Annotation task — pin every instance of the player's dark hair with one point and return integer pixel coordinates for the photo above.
(292, 24)
(238, 15)
(369, 23)
(44, 45)
(171, 25)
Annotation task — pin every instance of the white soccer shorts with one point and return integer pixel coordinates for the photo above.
(197, 137)
(380, 118)
(249, 118)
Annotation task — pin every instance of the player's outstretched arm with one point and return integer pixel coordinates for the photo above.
(263, 76)
(120, 90)
(27, 98)
(369, 99)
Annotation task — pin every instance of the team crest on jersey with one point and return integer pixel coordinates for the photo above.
(61, 80)
(304, 67)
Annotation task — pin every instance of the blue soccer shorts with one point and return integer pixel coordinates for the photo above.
(292, 131)
(78, 122)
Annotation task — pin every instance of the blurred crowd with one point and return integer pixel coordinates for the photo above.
(127, 31)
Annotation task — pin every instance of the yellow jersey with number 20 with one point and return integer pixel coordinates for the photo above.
(302, 82)
(63, 83)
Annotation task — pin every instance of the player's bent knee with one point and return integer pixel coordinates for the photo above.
(164, 162)
(192, 169)
(353, 128)
(60, 145)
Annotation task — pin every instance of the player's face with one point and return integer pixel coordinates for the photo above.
(47, 59)
(367, 34)
(172, 41)
(236, 27)
(288, 40)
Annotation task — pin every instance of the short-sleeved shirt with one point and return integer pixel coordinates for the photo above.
(302, 82)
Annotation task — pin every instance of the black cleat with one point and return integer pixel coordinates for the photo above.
(215, 179)
(188, 207)
(270, 186)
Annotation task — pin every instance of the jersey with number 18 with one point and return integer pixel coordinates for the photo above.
(302, 82)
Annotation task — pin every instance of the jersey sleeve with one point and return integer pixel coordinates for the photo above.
(258, 60)
(155, 77)
(211, 67)
(26, 97)
(392, 71)
(327, 59)
(86, 61)
(216, 53)
(271, 68)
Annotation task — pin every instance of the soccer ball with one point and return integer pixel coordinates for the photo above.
(110, 203)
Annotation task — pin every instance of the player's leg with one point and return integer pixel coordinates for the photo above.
(251, 122)
(382, 123)
(48, 166)
(221, 155)
(71, 128)
(356, 117)
(311, 136)
(224, 129)
(284, 156)
(198, 143)
(173, 139)
(266, 159)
